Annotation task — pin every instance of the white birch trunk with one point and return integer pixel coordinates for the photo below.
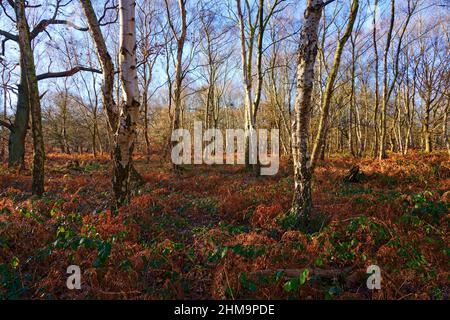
(307, 53)
(127, 130)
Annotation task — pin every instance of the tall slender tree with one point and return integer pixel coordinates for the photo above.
(126, 133)
(123, 125)
(307, 53)
(180, 37)
(319, 142)
(27, 60)
(252, 29)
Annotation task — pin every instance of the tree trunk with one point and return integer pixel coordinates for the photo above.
(445, 126)
(106, 63)
(376, 103)
(387, 89)
(176, 121)
(382, 151)
(410, 107)
(64, 123)
(426, 129)
(147, 138)
(323, 122)
(351, 104)
(126, 134)
(307, 53)
(34, 100)
(122, 135)
(16, 143)
(95, 132)
(246, 57)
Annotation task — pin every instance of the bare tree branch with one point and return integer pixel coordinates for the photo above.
(66, 73)
(42, 25)
(6, 124)
(9, 35)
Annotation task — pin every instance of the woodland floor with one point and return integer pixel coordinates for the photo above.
(219, 232)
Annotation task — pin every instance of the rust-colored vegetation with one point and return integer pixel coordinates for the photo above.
(219, 232)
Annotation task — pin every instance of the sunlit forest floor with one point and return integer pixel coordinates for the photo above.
(219, 232)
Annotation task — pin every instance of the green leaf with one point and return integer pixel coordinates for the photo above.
(103, 254)
(14, 262)
(304, 276)
(291, 285)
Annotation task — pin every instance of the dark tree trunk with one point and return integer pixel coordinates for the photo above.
(34, 99)
(16, 143)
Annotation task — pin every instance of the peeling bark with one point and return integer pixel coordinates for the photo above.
(123, 126)
(127, 130)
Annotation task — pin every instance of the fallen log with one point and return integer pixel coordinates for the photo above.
(350, 277)
(293, 273)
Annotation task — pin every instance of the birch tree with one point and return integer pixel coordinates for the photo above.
(123, 125)
(126, 133)
(214, 47)
(251, 30)
(307, 53)
(180, 37)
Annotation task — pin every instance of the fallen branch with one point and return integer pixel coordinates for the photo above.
(293, 273)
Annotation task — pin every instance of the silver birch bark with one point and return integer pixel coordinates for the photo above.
(307, 53)
(246, 59)
(122, 126)
(129, 116)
